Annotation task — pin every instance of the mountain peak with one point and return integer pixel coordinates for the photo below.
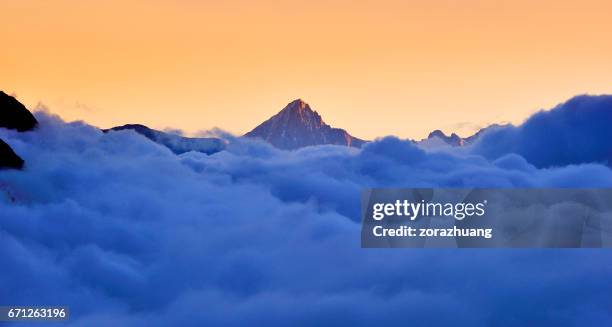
(298, 114)
(298, 104)
(299, 107)
(453, 139)
(297, 125)
(436, 133)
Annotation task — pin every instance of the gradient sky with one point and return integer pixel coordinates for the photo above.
(372, 67)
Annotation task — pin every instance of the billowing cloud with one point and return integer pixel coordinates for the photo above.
(126, 233)
(577, 131)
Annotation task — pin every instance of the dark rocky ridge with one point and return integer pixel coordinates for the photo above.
(14, 115)
(8, 157)
(176, 143)
(297, 125)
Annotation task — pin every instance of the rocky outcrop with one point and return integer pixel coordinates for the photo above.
(14, 115)
(8, 157)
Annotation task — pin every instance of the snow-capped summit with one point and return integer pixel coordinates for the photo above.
(297, 125)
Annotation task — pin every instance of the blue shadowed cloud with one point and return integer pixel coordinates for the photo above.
(577, 131)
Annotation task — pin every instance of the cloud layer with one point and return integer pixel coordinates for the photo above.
(574, 132)
(126, 233)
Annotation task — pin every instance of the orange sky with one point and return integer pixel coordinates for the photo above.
(372, 67)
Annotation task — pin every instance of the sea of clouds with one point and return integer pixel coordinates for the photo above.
(128, 234)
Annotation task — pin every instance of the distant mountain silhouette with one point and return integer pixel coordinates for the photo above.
(14, 115)
(438, 138)
(452, 140)
(297, 125)
(176, 143)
